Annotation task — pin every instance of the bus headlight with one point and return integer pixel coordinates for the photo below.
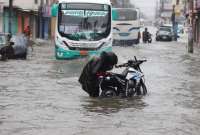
(65, 43)
(61, 43)
(106, 44)
(132, 29)
(115, 30)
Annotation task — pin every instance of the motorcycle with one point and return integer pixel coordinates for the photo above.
(131, 81)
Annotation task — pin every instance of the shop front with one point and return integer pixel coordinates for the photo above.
(197, 22)
(45, 22)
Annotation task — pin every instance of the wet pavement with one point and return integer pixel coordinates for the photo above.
(41, 96)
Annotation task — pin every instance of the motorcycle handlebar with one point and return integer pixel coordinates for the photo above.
(131, 63)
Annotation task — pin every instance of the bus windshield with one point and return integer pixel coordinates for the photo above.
(125, 15)
(84, 22)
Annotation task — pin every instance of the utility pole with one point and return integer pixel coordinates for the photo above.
(10, 15)
(191, 27)
(177, 2)
(122, 3)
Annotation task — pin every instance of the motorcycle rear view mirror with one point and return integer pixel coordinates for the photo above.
(130, 61)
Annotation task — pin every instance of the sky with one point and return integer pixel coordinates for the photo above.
(146, 6)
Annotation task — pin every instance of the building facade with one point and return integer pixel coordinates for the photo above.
(122, 3)
(1, 16)
(23, 14)
(166, 8)
(2, 4)
(194, 20)
(33, 13)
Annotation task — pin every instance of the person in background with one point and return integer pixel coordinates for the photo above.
(146, 36)
(27, 32)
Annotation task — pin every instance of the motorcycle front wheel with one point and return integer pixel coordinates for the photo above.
(141, 89)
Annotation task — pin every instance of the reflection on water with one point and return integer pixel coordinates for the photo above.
(188, 92)
(191, 64)
(113, 105)
(67, 68)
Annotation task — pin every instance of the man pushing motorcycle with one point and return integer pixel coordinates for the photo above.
(96, 67)
(97, 81)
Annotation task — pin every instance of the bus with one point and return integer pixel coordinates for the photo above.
(126, 26)
(83, 28)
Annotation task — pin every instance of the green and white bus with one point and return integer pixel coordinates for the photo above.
(126, 26)
(83, 27)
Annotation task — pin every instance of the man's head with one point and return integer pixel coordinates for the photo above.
(146, 29)
(109, 59)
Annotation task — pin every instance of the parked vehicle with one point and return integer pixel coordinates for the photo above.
(3, 39)
(4, 42)
(15, 47)
(165, 33)
(131, 80)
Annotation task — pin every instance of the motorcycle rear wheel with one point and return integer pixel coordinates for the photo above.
(109, 93)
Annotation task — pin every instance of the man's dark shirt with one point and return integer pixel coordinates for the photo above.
(145, 35)
(89, 78)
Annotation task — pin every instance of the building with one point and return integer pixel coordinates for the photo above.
(122, 3)
(23, 14)
(33, 13)
(193, 13)
(166, 8)
(2, 4)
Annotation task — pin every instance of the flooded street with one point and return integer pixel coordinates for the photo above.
(41, 96)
